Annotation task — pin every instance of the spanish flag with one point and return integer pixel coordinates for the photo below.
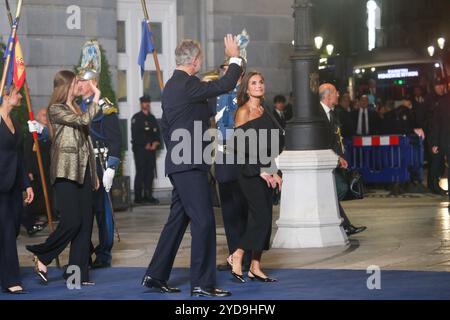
(19, 66)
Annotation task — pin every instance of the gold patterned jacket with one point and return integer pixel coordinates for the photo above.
(71, 147)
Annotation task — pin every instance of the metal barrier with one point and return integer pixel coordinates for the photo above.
(386, 159)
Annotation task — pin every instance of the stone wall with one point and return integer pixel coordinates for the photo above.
(49, 45)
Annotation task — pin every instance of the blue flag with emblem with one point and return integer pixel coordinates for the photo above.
(8, 52)
(146, 45)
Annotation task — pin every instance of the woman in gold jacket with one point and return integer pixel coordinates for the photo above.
(73, 175)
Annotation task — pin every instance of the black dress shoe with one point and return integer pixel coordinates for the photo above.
(253, 276)
(149, 282)
(100, 265)
(209, 292)
(35, 229)
(350, 230)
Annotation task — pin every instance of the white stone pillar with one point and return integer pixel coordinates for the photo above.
(309, 212)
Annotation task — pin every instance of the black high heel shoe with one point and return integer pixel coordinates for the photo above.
(253, 276)
(42, 274)
(239, 277)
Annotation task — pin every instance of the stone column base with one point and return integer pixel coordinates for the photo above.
(309, 212)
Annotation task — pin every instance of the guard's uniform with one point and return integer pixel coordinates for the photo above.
(144, 130)
(107, 140)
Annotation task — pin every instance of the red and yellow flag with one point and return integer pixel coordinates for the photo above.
(19, 66)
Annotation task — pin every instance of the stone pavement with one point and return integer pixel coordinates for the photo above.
(410, 232)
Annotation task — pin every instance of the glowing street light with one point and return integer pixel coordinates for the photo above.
(318, 42)
(330, 49)
(431, 51)
(441, 43)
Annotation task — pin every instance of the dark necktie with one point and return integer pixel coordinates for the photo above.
(363, 125)
(332, 118)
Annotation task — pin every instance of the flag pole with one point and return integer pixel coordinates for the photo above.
(11, 45)
(155, 52)
(36, 143)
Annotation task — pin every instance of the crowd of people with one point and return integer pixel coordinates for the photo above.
(84, 143)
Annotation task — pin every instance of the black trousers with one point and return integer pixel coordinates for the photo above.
(258, 230)
(235, 215)
(145, 172)
(191, 202)
(342, 190)
(436, 168)
(105, 222)
(74, 202)
(10, 211)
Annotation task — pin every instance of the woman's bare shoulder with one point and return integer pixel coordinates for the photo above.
(242, 116)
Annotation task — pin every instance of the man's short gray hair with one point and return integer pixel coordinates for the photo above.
(325, 92)
(186, 52)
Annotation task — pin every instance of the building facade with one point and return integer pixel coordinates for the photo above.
(52, 33)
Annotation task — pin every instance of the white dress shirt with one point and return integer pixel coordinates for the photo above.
(363, 112)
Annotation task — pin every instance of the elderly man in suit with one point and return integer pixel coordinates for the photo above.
(185, 108)
(328, 100)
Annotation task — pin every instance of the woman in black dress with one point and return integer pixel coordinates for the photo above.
(12, 182)
(257, 180)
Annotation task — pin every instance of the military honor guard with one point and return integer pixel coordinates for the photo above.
(146, 140)
(106, 138)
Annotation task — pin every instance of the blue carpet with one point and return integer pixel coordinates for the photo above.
(124, 284)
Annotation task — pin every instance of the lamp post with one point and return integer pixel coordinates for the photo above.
(432, 50)
(306, 122)
(311, 218)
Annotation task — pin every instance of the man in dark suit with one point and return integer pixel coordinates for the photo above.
(440, 136)
(279, 109)
(328, 100)
(186, 114)
(365, 120)
(343, 112)
(433, 102)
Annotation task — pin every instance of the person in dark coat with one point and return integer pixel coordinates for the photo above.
(12, 182)
(107, 142)
(328, 99)
(146, 140)
(440, 137)
(434, 101)
(344, 114)
(366, 121)
(186, 117)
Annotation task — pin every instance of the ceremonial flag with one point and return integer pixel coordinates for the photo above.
(19, 66)
(9, 51)
(146, 45)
